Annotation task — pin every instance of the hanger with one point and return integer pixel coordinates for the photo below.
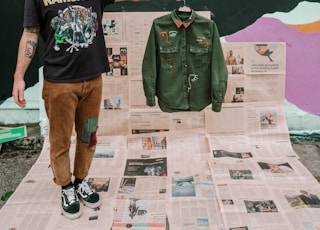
(184, 7)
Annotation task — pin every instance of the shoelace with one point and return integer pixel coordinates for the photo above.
(71, 196)
(191, 78)
(86, 188)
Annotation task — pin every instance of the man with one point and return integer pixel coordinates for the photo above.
(74, 59)
(230, 59)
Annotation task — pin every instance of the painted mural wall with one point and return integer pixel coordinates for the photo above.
(295, 22)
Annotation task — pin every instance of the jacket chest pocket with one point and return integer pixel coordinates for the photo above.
(168, 56)
(201, 56)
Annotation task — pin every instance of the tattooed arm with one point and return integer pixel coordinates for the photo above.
(27, 48)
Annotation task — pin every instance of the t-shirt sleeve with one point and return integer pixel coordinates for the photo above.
(31, 13)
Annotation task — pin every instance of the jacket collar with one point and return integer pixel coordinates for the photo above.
(178, 18)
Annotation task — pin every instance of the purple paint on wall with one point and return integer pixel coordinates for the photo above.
(303, 59)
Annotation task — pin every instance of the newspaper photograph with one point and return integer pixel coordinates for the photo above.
(236, 92)
(139, 214)
(149, 188)
(147, 146)
(118, 60)
(113, 27)
(234, 57)
(146, 167)
(265, 58)
(115, 94)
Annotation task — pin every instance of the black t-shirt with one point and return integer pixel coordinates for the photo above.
(74, 41)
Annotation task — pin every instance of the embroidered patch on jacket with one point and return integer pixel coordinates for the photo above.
(173, 34)
(164, 34)
(202, 40)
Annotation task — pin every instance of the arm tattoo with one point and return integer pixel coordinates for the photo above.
(30, 49)
(31, 45)
(33, 29)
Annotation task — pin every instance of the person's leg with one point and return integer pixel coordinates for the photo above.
(61, 101)
(86, 124)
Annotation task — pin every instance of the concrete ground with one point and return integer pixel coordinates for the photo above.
(308, 150)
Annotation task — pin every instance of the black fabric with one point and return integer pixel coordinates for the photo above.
(74, 42)
(67, 186)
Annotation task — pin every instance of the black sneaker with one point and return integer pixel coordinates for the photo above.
(89, 197)
(70, 203)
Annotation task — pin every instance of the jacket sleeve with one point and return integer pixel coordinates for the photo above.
(219, 72)
(149, 69)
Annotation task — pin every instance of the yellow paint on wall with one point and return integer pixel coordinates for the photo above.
(307, 28)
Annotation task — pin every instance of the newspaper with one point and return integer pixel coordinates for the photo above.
(300, 202)
(250, 206)
(204, 170)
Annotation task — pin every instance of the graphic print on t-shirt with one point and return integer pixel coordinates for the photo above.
(75, 25)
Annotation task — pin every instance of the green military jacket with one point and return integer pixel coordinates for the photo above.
(183, 64)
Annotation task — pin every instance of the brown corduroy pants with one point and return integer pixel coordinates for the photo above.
(68, 106)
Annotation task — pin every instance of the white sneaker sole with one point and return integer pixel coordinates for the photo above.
(71, 216)
(91, 205)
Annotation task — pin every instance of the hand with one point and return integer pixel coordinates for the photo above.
(18, 92)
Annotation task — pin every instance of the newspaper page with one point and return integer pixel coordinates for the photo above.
(230, 120)
(194, 214)
(148, 121)
(154, 120)
(113, 27)
(250, 206)
(139, 187)
(191, 190)
(183, 144)
(242, 146)
(118, 59)
(190, 178)
(226, 170)
(137, 35)
(265, 58)
(266, 119)
(283, 169)
(234, 57)
(139, 214)
(236, 91)
(113, 122)
(137, 97)
(272, 90)
(115, 93)
(301, 203)
(147, 146)
(272, 147)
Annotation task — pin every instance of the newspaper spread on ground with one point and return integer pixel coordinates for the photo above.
(202, 170)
